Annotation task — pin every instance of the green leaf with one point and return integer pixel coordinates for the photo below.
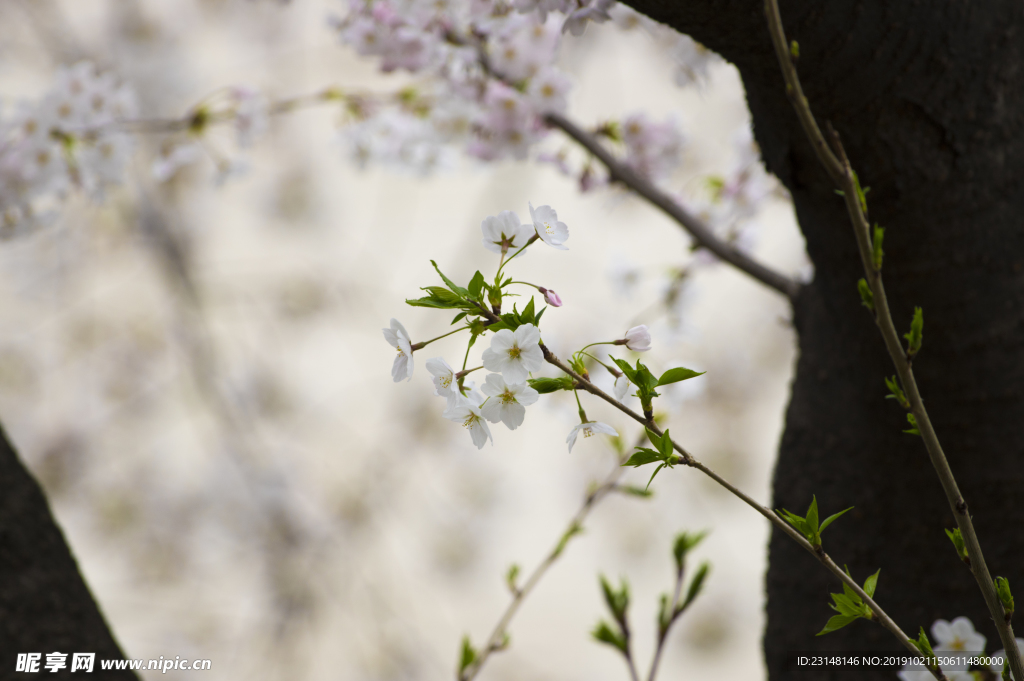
(573, 530)
(617, 601)
(683, 544)
(459, 316)
(870, 583)
(913, 430)
(696, 584)
(812, 514)
(958, 543)
(795, 520)
(835, 623)
(915, 335)
(468, 655)
(896, 393)
(429, 301)
(458, 290)
(665, 447)
(867, 298)
(476, 285)
(634, 491)
(876, 247)
(510, 578)
(1005, 597)
(923, 645)
(678, 374)
(656, 471)
(645, 379)
(603, 633)
(845, 604)
(526, 316)
(626, 369)
(546, 385)
(830, 519)
(642, 457)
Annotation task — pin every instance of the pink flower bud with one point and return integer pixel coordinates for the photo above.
(550, 297)
(638, 339)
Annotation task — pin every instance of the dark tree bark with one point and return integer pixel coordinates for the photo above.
(45, 605)
(929, 101)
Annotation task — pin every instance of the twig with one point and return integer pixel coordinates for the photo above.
(838, 166)
(497, 639)
(619, 172)
(688, 460)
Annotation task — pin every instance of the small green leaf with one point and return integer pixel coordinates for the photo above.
(634, 491)
(835, 623)
(526, 316)
(871, 582)
(1005, 597)
(617, 601)
(896, 393)
(958, 543)
(678, 374)
(913, 430)
(665, 447)
(684, 543)
(794, 49)
(604, 633)
(573, 530)
(656, 471)
(457, 290)
(916, 333)
(812, 514)
(546, 385)
(476, 285)
(923, 645)
(642, 457)
(867, 298)
(876, 247)
(830, 519)
(645, 379)
(536, 320)
(510, 578)
(796, 521)
(468, 655)
(696, 584)
(626, 369)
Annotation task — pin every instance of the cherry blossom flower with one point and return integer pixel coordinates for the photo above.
(515, 354)
(638, 339)
(507, 403)
(958, 635)
(576, 23)
(547, 91)
(444, 379)
(252, 114)
(553, 232)
(504, 232)
(589, 428)
(399, 339)
(468, 414)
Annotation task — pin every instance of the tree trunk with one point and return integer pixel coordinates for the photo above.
(929, 101)
(45, 605)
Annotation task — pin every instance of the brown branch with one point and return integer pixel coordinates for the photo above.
(619, 172)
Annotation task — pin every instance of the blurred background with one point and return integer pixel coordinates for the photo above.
(195, 371)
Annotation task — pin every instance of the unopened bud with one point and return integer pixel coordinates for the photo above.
(550, 297)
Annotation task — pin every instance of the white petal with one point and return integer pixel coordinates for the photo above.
(525, 395)
(512, 415)
(572, 436)
(599, 427)
(480, 432)
(491, 410)
(527, 335)
(494, 385)
(532, 358)
(515, 372)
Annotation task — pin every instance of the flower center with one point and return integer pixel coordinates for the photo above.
(514, 352)
(588, 432)
(468, 423)
(400, 353)
(445, 381)
(507, 397)
(548, 228)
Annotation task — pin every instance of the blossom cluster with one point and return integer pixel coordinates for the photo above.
(66, 139)
(516, 350)
(494, 77)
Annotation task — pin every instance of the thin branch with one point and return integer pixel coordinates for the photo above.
(497, 639)
(619, 172)
(848, 184)
(663, 632)
(688, 459)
